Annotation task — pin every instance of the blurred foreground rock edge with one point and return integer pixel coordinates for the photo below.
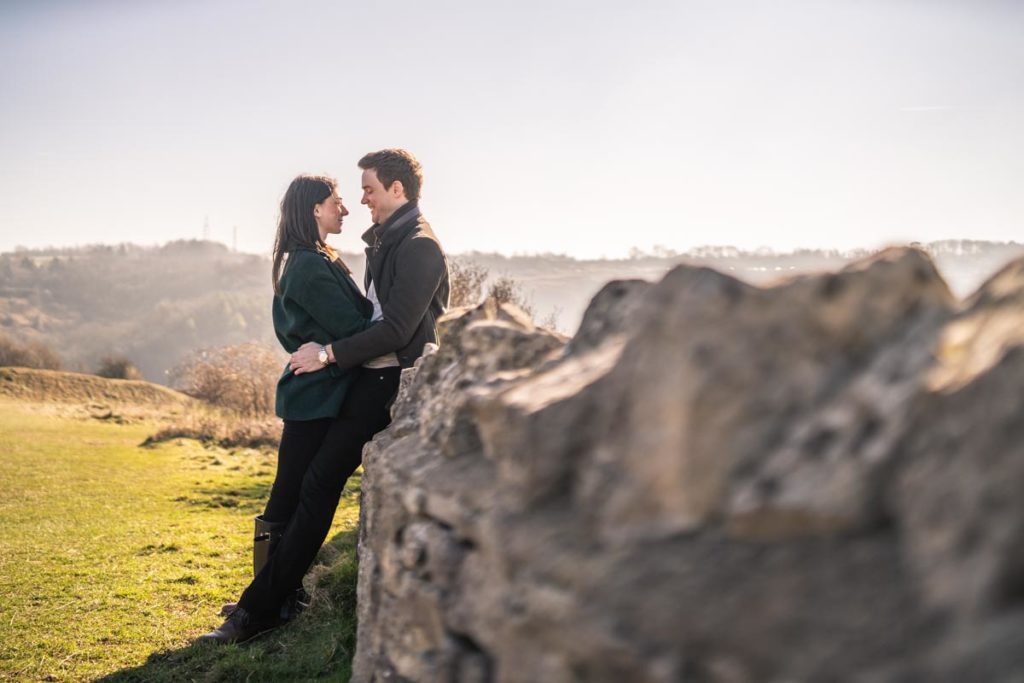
(816, 481)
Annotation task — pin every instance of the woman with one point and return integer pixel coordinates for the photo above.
(315, 300)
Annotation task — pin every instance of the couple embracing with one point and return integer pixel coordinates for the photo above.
(348, 351)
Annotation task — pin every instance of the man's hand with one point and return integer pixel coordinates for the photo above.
(306, 359)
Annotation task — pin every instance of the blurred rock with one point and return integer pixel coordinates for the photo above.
(961, 494)
(710, 482)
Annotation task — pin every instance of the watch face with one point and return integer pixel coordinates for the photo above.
(322, 356)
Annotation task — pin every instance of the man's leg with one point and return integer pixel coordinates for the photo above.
(363, 414)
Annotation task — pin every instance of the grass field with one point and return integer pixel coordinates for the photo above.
(113, 557)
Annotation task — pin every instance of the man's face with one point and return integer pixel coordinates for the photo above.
(381, 202)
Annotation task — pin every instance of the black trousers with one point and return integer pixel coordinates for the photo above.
(315, 460)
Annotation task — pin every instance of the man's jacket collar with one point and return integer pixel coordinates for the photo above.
(404, 214)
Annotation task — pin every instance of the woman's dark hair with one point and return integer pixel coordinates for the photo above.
(297, 226)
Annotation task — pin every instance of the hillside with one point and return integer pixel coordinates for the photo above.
(151, 305)
(155, 305)
(51, 386)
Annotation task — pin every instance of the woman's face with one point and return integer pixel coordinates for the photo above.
(329, 215)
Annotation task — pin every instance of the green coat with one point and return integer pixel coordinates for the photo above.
(319, 302)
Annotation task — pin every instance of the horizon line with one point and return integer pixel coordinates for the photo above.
(634, 253)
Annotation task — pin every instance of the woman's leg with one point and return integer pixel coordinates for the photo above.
(363, 414)
(300, 440)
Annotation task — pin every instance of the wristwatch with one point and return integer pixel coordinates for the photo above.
(322, 356)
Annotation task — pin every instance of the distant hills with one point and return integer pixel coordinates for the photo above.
(155, 305)
(152, 305)
(561, 285)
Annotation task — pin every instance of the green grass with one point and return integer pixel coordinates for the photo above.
(114, 557)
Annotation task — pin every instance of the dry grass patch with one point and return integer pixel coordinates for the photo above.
(221, 428)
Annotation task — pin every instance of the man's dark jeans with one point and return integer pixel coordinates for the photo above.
(315, 460)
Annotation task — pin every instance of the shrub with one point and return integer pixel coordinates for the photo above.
(30, 355)
(240, 378)
(227, 431)
(465, 281)
(506, 290)
(118, 367)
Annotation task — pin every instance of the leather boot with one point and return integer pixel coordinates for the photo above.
(266, 536)
(265, 542)
(265, 539)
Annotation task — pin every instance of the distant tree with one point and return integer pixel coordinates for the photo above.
(31, 355)
(241, 378)
(118, 367)
(194, 247)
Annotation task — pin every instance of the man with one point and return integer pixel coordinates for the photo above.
(407, 282)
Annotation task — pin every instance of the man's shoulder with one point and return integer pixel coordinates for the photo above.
(416, 236)
(423, 231)
(419, 248)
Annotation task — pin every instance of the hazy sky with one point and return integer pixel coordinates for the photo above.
(576, 127)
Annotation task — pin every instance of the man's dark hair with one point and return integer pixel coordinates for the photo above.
(396, 164)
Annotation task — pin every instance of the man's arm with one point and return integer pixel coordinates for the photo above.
(418, 272)
(312, 287)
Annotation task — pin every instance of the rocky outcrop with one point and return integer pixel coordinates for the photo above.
(711, 481)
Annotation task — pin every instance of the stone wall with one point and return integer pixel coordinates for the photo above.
(817, 481)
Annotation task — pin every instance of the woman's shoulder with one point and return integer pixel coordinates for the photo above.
(303, 262)
(303, 255)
